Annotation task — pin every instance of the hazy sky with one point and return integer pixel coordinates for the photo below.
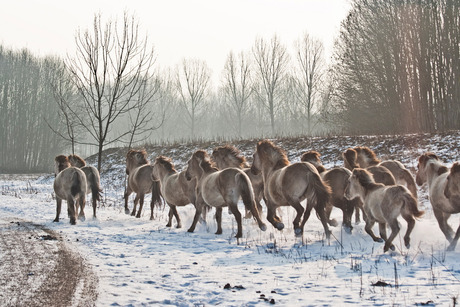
(202, 29)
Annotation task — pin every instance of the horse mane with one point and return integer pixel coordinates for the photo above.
(62, 161)
(77, 161)
(166, 163)
(312, 156)
(369, 153)
(365, 179)
(273, 153)
(455, 168)
(234, 153)
(350, 156)
(427, 156)
(206, 164)
(139, 155)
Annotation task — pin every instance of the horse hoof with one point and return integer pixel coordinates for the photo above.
(451, 247)
(138, 216)
(333, 223)
(348, 229)
(73, 222)
(298, 232)
(190, 230)
(279, 226)
(55, 220)
(263, 227)
(218, 232)
(392, 247)
(179, 226)
(380, 240)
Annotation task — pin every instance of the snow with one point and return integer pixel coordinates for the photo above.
(141, 262)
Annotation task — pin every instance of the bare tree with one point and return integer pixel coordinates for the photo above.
(307, 79)
(110, 70)
(237, 85)
(192, 81)
(271, 59)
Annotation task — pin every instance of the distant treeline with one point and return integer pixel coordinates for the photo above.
(395, 69)
(26, 99)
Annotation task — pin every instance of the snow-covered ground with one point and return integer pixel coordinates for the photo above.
(141, 262)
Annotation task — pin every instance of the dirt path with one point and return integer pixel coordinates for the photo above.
(38, 268)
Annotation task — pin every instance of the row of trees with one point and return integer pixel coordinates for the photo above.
(395, 69)
(398, 66)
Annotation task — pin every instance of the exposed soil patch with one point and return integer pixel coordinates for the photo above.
(37, 268)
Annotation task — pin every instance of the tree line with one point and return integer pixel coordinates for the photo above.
(395, 69)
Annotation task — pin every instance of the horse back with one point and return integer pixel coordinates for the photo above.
(70, 183)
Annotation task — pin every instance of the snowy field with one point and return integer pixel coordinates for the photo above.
(141, 262)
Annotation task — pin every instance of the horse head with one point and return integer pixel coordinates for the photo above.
(135, 158)
(61, 162)
(228, 156)
(76, 161)
(421, 175)
(313, 157)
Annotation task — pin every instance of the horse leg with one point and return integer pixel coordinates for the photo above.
(394, 231)
(94, 200)
(219, 220)
(347, 213)
(452, 244)
(58, 209)
(152, 203)
(358, 205)
(71, 210)
(368, 228)
(176, 215)
(256, 215)
(383, 234)
(126, 196)
(273, 218)
(82, 201)
(322, 218)
(328, 210)
(198, 210)
(136, 201)
(141, 204)
(237, 215)
(442, 218)
(410, 226)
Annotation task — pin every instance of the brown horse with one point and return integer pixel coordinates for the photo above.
(229, 156)
(444, 191)
(70, 185)
(337, 179)
(93, 180)
(288, 184)
(175, 188)
(364, 157)
(220, 189)
(383, 204)
(141, 181)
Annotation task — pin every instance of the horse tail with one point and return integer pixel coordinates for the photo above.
(157, 197)
(407, 176)
(409, 202)
(318, 193)
(246, 190)
(92, 176)
(75, 187)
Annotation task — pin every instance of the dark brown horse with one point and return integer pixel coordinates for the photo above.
(364, 157)
(444, 192)
(288, 184)
(221, 189)
(383, 204)
(93, 180)
(229, 156)
(70, 185)
(141, 181)
(175, 188)
(337, 179)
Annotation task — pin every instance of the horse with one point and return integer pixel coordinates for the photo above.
(141, 181)
(288, 184)
(70, 185)
(175, 188)
(337, 179)
(221, 188)
(443, 190)
(229, 156)
(93, 180)
(364, 157)
(383, 204)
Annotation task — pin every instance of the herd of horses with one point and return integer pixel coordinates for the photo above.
(381, 190)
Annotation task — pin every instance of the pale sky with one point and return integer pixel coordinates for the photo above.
(202, 29)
